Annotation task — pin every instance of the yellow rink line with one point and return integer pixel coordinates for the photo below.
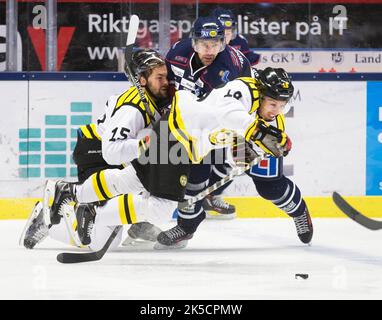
(320, 207)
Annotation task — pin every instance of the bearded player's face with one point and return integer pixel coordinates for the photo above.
(157, 82)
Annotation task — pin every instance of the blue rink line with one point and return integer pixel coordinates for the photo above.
(119, 76)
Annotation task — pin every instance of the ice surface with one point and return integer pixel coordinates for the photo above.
(240, 259)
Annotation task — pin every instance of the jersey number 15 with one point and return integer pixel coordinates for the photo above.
(119, 134)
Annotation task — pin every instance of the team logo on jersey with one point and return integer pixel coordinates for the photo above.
(183, 180)
(268, 168)
(224, 75)
(223, 137)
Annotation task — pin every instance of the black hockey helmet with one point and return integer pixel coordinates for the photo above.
(143, 60)
(275, 83)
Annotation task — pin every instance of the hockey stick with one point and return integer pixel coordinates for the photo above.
(71, 257)
(235, 172)
(353, 214)
(133, 29)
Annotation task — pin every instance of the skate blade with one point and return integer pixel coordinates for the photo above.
(179, 245)
(49, 191)
(128, 242)
(138, 244)
(67, 212)
(35, 212)
(218, 216)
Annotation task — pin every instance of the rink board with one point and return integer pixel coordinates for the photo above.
(320, 207)
(335, 126)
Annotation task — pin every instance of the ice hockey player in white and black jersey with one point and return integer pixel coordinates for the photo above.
(111, 142)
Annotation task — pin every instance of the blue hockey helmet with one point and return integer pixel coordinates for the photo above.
(207, 28)
(225, 16)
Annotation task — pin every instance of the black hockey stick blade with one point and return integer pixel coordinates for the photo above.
(353, 214)
(67, 257)
(71, 257)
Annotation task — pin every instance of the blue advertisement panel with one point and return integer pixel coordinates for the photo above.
(374, 139)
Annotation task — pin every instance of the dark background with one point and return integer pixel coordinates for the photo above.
(364, 28)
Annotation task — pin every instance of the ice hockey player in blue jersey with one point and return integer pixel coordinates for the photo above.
(200, 64)
(238, 41)
(204, 62)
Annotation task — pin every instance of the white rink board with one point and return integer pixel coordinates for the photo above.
(45, 98)
(14, 109)
(328, 130)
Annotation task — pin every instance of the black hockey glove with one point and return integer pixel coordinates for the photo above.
(271, 140)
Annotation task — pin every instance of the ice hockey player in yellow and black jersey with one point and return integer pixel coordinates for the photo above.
(113, 141)
(247, 108)
(117, 131)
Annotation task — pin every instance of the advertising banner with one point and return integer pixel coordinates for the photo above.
(374, 139)
(91, 32)
(322, 60)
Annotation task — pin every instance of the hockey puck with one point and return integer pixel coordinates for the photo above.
(301, 276)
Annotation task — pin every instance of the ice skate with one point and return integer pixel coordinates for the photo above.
(174, 238)
(85, 214)
(62, 193)
(35, 230)
(216, 208)
(141, 231)
(304, 227)
(35, 212)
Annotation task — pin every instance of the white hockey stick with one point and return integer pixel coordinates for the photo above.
(133, 30)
